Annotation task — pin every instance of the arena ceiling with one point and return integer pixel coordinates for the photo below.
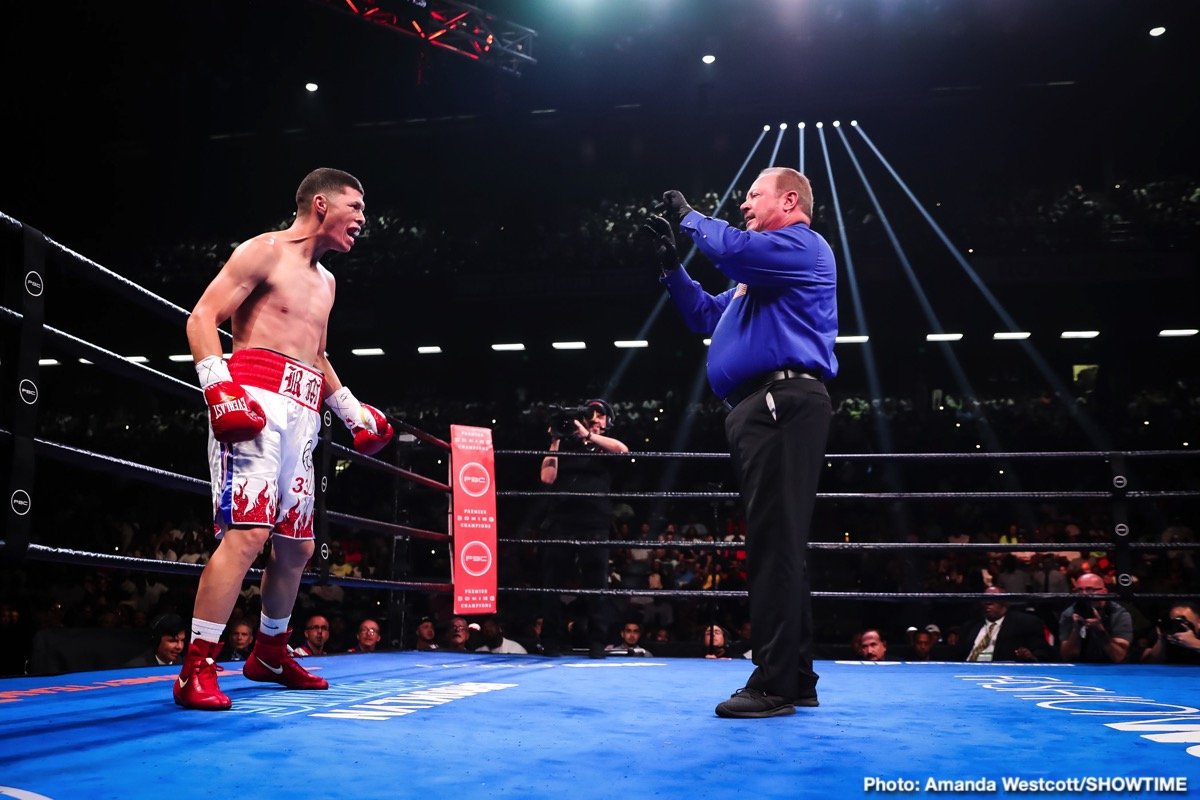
(110, 102)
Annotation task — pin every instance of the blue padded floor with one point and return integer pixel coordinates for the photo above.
(435, 725)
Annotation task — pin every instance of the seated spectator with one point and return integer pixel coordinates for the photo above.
(168, 635)
(532, 640)
(240, 643)
(1094, 631)
(426, 634)
(1003, 634)
(921, 648)
(870, 645)
(329, 594)
(491, 631)
(457, 634)
(1048, 578)
(367, 638)
(338, 566)
(714, 638)
(1012, 576)
(631, 638)
(740, 646)
(316, 637)
(1178, 640)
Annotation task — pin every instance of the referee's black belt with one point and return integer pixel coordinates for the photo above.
(749, 387)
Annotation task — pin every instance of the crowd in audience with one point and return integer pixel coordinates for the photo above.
(659, 556)
(152, 527)
(454, 251)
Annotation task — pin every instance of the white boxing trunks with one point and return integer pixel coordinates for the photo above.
(268, 481)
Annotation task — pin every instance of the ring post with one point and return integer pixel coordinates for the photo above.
(1122, 556)
(22, 393)
(320, 559)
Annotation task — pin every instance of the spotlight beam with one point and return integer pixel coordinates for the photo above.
(883, 430)
(1096, 436)
(683, 434)
(778, 141)
(931, 317)
(801, 159)
(971, 400)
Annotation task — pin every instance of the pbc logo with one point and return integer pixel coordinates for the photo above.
(33, 283)
(28, 391)
(474, 479)
(475, 558)
(20, 502)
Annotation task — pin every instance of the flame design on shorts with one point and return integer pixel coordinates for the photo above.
(239, 501)
(263, 510)
(296, 524)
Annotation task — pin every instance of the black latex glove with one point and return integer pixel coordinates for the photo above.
(675, 205)
(662, 236)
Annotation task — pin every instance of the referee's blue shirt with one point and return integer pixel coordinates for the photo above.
(783, 312)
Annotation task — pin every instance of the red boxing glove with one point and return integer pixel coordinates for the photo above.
(234, 415)
(367, 424)
(368, 442)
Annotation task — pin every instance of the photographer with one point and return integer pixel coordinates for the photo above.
(574, 432)
(1094, 630)
(1178, 642)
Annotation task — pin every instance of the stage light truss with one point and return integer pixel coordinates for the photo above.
(458, 27)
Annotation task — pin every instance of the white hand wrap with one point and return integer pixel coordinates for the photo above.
(346, 406)
(212, 369)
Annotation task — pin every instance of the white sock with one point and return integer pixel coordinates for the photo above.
(271, 627)
(207, 631)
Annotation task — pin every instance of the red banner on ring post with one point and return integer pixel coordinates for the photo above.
(473, 520)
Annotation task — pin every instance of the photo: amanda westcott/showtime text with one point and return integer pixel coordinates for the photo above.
(1006, 785)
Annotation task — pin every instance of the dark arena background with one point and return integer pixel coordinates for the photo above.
(1012, 192)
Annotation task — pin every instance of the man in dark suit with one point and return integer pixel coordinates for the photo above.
(1003, 635)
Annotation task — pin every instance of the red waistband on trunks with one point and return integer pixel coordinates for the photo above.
(275, 372)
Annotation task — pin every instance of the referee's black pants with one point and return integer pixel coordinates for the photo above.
(777, 437)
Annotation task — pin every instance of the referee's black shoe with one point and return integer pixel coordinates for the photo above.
(748, 703)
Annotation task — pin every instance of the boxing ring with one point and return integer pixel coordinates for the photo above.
(440, 725)
(409, 724)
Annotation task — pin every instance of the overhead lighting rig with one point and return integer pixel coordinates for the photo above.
(460, 28)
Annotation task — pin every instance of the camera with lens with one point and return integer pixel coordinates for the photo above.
(562, 419)
(1175, 625)
(1084, 608)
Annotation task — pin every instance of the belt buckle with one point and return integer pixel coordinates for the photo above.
(752, 385)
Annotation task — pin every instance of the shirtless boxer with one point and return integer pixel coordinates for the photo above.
(264, 420)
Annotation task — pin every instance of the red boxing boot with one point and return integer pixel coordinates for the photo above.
(270, 662)
(196, 687)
